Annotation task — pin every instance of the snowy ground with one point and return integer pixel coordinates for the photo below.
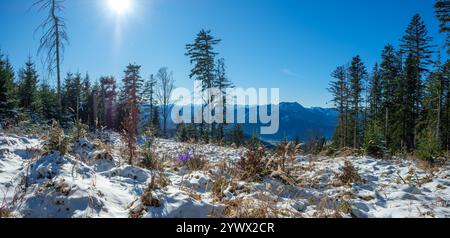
(93, 181)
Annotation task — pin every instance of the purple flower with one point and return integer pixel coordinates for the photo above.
(185, 158)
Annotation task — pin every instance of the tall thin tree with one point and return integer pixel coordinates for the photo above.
(53, 39)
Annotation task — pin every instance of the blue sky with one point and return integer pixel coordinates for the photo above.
(293, 45)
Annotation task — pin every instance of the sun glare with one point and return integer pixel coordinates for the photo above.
(119, 6)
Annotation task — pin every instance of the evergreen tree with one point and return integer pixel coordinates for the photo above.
(27, 89)
(108, 100)
(202, 55)
(357, 75)
(155, 120)
(392, 96)
(442, 10)
(86, 92)
(149, 97)
(433, 102)
(71, 98)
(130, 121)
(8, 99)
(416, 45)
(375, 96)
(49, 102)
(339, 89)
(446, 107)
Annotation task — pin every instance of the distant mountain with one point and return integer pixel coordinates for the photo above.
(295, 121)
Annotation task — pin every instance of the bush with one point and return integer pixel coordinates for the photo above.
(428, 148)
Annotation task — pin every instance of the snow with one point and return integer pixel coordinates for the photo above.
(93, 180)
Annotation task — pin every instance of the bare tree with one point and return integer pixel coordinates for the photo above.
(52, 41)
(164, 93)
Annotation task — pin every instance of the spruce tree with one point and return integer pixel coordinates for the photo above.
(416, 45)
(442, 10)
(375, 96)
(392, 96)
(49, 102)
(28, 89)
(8, 98)
(339, 89)
(357, 75)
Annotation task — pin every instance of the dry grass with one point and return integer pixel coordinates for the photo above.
(197, 163)
(349, 174)
(4, 211)
(251, 166)
(149, 200)
(218, 187)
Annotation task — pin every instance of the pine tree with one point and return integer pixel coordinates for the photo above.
(442, 10)
(8, 98)
(130, 121)
(202, 55)
(339, 90)
(357, 75)
(27, 89)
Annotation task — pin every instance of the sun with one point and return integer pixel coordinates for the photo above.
(120, 6)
